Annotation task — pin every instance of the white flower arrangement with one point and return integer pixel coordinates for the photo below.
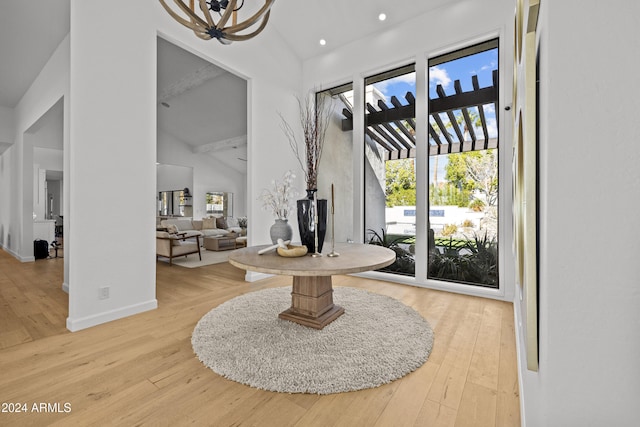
(281, 200)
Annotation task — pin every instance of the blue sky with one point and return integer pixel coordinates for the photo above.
(481, 64)
(462, 69)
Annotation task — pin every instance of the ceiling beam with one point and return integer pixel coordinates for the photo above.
(189, 81)
(225, 144)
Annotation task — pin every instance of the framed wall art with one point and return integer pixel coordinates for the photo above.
(525, 174)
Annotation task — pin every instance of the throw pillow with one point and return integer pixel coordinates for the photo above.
(221, 222)
(232, 222)
(171, 228)
(208, 223)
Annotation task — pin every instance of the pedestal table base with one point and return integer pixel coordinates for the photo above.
(312, 302)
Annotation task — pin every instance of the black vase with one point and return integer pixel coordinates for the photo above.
(306, 219)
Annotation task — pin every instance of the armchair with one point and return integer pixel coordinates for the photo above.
(175, 245)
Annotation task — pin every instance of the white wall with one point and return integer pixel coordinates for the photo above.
(6, 128)
(174, 177)
(337, 157)
(209, 174)
(589, 296)
(16, 221)
(112, 170)
(118, 69)
(443, 30)
(48, 158)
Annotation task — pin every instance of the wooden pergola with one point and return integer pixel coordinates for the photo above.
(393, 126)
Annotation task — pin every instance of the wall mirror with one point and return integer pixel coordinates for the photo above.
(219, 203)
(175, 203)
(172, 181)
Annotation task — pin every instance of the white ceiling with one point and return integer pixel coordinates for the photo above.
(202, 105)
(39, 27)
(302, 23)
(207, 106)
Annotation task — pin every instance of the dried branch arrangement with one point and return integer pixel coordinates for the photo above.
(314, 118)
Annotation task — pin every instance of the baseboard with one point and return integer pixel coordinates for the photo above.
(65, 287)
(254, 276)
(97, 319)
(17, 256)
(456, 288)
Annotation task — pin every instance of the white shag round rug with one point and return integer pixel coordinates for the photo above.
(377, 340)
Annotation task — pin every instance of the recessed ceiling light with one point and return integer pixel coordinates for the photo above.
(323, 42)
(382, 16)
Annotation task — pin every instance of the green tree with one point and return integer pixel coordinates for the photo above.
(456, 170)
(447, 194)
(482, 170)
(400, 182)
(475, 170)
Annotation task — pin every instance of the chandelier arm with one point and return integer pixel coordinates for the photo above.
(196, 20)
(181, 20)
(202, 35)
(227, 14)
(243, 37)
(207, 29)
(206, 13)
(248, 22)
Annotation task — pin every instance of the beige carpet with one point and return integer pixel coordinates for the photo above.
(192, 261)
(377, 340)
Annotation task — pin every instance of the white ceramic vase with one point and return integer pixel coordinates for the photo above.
(280, 230)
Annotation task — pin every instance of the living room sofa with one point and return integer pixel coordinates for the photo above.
(208, 227)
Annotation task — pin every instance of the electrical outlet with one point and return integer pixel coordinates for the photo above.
(103, 292)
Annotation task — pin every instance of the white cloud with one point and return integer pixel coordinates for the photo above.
(409, 78)
(491, 66)
(489, 109)
(439, 76)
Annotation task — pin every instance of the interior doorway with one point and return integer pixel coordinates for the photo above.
(45, 138)
(202, 120)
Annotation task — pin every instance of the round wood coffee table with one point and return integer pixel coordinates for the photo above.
(312, 295)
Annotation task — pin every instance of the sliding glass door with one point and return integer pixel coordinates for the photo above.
(463, 166)
(389, 165)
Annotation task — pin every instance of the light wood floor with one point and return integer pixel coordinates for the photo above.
(142, 370)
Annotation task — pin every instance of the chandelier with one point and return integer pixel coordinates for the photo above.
(204, 24)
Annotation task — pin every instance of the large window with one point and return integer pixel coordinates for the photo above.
(336, 163)
(454, 234)
(463, 166)
(389, 169)
(462, 149)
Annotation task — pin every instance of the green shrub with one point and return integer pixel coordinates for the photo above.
(405, 262)
(478, 266)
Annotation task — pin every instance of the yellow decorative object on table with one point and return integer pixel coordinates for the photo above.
(292, 251)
